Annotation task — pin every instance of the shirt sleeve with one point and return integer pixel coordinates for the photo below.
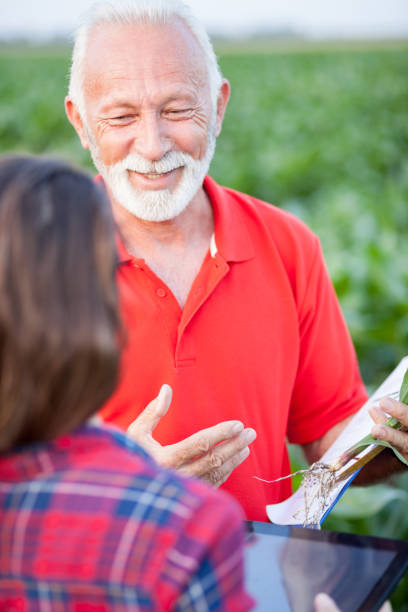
(328, 385)
(214, 537)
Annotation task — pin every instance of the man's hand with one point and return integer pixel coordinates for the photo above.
(210, 454)
(386, 463)
(398, 438)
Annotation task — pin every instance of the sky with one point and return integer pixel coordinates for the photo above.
(313, 18)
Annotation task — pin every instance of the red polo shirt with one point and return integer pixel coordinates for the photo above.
(261, 339)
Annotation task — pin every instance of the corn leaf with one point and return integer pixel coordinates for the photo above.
(369, 439)
(403, 394)
(388, 445)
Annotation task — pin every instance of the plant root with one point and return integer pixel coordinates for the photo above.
(319, 480)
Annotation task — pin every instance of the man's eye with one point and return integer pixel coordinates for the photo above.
(178, 112)
(121, 119)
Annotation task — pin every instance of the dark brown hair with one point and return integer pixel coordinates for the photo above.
(59, 323)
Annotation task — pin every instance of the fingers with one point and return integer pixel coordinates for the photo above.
(398, 438)
(151, 415)
(324, 603)
(377, 415)
(201, 442)
(211, 454)
(216, 465)
(395, 409)
(218, 476)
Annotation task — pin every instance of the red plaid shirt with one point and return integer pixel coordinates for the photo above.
(89, 523)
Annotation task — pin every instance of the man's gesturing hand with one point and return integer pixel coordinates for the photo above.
(210, 454)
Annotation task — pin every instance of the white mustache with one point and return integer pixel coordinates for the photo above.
(137, 163)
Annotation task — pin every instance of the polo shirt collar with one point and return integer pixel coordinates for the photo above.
(231, 238)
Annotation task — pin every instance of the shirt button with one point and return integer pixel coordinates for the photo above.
(161, 292)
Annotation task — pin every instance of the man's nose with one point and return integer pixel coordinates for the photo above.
(151, 139)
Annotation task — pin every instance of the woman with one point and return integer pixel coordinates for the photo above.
(87, 520)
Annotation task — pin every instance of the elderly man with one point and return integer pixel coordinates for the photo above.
(224, 297)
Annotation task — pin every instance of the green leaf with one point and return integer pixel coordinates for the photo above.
(369, 439)
(403, 394)
(397, 453)
(362, 444)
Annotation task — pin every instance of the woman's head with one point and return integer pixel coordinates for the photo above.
(59, 325)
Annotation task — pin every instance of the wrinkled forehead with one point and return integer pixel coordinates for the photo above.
(142, 52)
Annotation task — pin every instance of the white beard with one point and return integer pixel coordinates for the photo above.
(156, 205)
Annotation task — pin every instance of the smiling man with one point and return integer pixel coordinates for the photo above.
(224, 298)
(156, 175)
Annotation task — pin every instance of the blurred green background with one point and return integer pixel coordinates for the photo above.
(319, 131)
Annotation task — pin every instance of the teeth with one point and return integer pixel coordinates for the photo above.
(152, 175)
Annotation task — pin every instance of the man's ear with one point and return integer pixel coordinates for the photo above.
(75, 118)
(222, 101)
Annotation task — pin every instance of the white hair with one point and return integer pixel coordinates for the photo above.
(134, 12)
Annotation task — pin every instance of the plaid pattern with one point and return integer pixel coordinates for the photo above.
(89, 523)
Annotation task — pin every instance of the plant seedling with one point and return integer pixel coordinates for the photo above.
(320, 478)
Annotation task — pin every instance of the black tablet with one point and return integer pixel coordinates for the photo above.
(288, 566)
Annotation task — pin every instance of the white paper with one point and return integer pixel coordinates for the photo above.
(292, 510)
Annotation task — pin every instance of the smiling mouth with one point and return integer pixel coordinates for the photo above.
(154, 175)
